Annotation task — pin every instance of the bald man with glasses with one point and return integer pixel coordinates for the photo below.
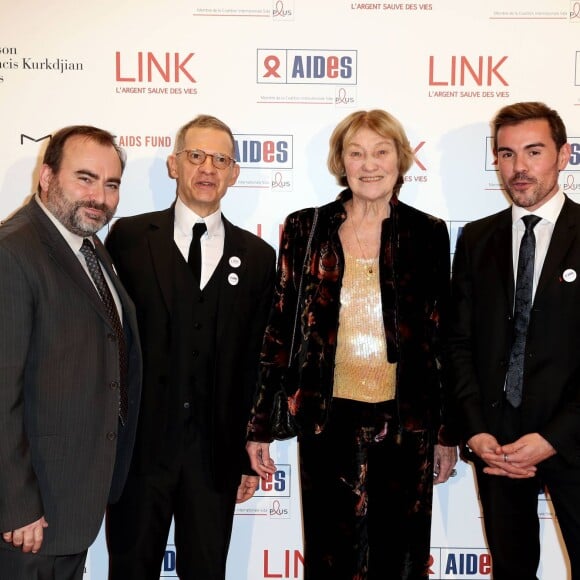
(202, 288)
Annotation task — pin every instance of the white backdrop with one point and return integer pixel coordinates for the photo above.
(282, 74)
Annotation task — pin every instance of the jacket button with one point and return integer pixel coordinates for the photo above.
(114, 385)
(186, 405)
(111, 436)
(494, 404)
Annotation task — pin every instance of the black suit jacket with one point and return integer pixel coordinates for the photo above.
(63, 453)
(143, 250)
(482, 331)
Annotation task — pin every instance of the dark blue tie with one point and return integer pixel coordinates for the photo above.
(92, 260)
(522, 309)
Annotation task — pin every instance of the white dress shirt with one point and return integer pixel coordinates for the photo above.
(75, 242)
(543, 231)
(212, 242)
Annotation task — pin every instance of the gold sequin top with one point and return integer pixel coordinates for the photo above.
(362, 371)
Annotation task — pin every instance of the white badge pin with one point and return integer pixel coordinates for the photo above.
(569, 275)
(235, 262)
(233, 279)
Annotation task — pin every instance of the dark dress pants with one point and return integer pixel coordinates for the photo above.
(15, 565)
(138, 525)
(510, 510)
(366, 496)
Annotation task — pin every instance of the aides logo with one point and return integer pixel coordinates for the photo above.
(168, 569)
(574, 163)
(264, 151)
(460, 563)
(275, 485)
(313, 67)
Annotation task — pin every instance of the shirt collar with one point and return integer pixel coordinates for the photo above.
(548, 211)
(74, 241)
(185, 218)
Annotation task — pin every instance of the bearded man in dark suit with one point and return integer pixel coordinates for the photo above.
(70, 363)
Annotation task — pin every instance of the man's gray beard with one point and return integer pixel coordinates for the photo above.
(68, 213)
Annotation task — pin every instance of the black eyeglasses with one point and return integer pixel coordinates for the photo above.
(198, 156)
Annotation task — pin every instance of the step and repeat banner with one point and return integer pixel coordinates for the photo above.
(282, 74)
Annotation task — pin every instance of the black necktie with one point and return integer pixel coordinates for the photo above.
(522, 308)
(194, 258)
(88, 251)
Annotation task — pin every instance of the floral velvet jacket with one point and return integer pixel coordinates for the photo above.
(414, 266)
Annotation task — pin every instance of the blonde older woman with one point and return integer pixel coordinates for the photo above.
(367, 389)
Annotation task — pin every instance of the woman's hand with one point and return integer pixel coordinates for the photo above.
(260, 459)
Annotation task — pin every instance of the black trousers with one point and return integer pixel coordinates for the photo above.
(367, 496)
(15, 565)
(510, 511)
(179, 488)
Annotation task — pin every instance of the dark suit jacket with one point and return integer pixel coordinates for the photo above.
(62, 451)
(482, 327)
(143, 250)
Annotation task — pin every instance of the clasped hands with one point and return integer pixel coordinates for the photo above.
(517, 460)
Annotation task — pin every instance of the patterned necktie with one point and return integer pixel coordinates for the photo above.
(194, 257)
(88, 251)
(522, 308)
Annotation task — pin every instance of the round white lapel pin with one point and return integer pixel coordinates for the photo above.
(569, 275)
(233, 279)
(235, 262)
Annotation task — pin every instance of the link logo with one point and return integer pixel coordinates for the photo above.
(310, 67)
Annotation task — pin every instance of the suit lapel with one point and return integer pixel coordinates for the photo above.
(502, 241)
(565, 231)
(163, 251)
(63, 256)
(233, 275)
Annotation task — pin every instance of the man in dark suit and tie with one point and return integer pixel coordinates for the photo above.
(202, 288)
(515, 344)
(70, 363)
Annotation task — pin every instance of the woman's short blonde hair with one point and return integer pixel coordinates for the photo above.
(382, 123)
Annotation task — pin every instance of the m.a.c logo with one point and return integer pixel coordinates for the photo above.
(313, 67)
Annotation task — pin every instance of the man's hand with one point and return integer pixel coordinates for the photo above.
(247, 487)
(29, 537)
(526, 452)
(445, 459)
(260, 459)
(498, 462)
